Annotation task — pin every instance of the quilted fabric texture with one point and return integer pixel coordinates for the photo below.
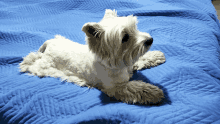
(186, 31)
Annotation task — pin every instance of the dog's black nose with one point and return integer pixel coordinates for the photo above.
(149, 41)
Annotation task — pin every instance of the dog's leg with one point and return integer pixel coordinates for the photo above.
(136, 91)
(149, 59)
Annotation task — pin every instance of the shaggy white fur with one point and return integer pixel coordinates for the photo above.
(66, 59)
(115, 48)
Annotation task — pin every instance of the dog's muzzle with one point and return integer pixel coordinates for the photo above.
(149, 42)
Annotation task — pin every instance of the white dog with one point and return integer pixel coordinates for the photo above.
(115, 49)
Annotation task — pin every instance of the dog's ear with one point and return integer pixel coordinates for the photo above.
(92, 29)
(110, 13)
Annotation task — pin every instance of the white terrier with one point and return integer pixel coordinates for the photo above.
(115, 49)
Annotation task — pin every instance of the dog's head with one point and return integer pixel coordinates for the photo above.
(116, 41)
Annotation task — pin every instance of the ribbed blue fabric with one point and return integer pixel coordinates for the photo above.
(186, 31)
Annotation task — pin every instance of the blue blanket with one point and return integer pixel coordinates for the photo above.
(186, 31)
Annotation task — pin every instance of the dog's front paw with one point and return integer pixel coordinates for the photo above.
(138, 91)
(149, 59)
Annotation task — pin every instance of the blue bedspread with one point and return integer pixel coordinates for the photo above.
(186, 31)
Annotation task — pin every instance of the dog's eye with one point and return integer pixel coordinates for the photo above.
(125, 38)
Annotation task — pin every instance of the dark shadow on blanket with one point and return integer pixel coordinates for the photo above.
(6, 120)
(102, 121)
(2, 121)
(139, 76)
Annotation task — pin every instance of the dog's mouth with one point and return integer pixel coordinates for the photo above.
(130, 56)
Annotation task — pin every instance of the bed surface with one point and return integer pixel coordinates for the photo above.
(186, 31)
